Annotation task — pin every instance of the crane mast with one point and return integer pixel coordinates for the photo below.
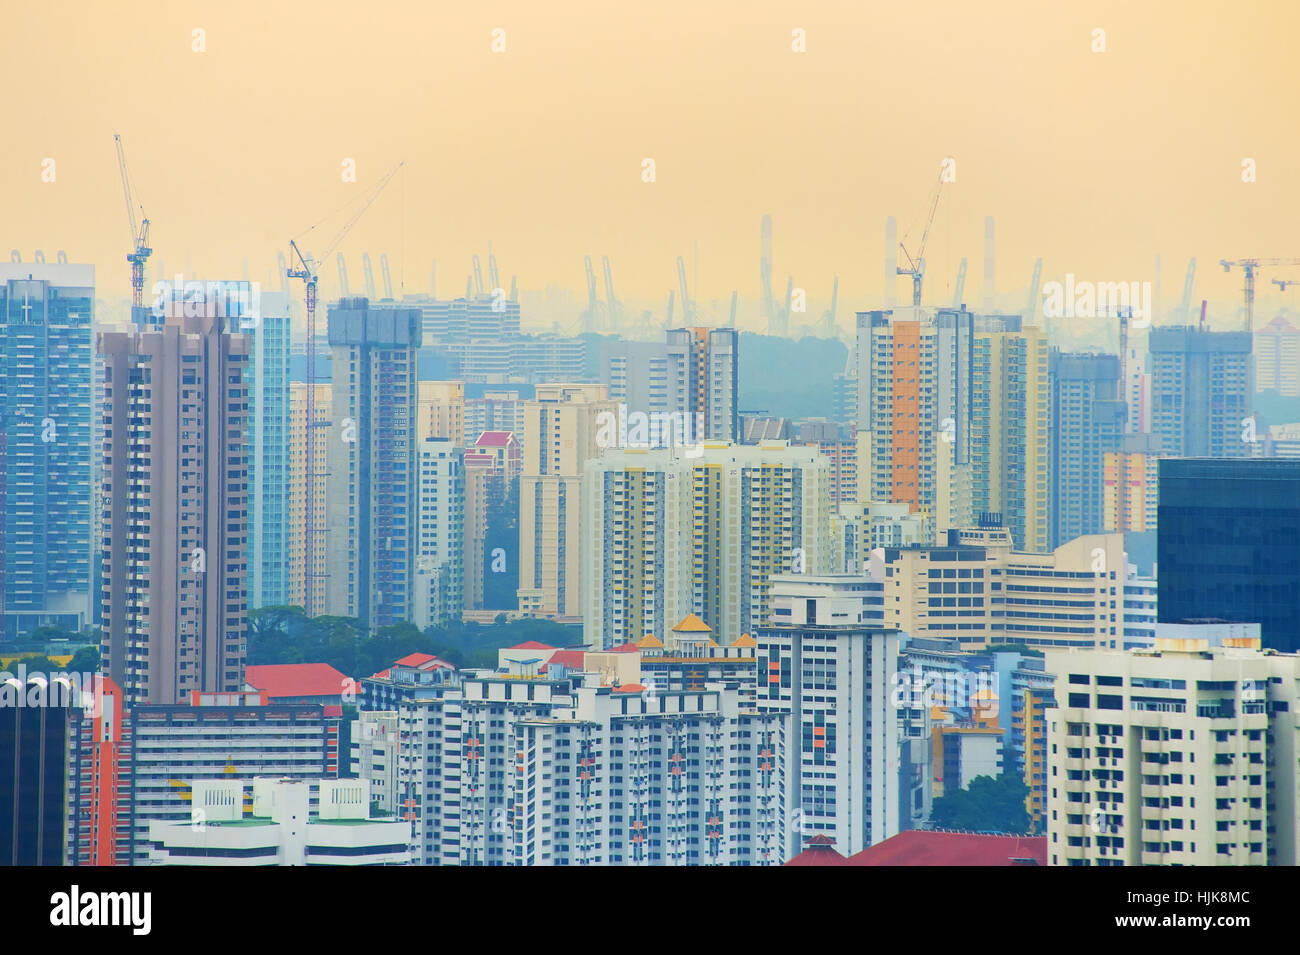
(140, 250)
(916, 264)
(306, 270)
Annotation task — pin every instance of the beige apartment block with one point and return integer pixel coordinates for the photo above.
(1182, 754)
(560, 436)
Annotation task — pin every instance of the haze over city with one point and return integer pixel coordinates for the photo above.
(1095, 161)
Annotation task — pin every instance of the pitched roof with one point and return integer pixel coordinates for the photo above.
(624, 648)
(422, 661)
(744, 640)
(692, 624)
(296, 679)
(531, 645)
(924, 847)
(820, 851)
(494, 439)
(650, 641)
(567, 658)
(629, 688)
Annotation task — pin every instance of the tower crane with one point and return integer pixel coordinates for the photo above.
(1283, 283)
(368, 273)
(307, 270)
(688, 307)
(478, 276)
(388, 279)
(611, 303)
(1249, 266)
(593, 306)
(1031, 309)
(343, 275)
(961, 285)
(1185, 307)
(916, 264)
(140, 250)
(828, 317)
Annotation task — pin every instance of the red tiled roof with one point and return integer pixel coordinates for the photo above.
(422, 661)
(569, 658)
(624, 648)
(820, 851)
(532, 645)
(921, 847)
(296, 679)
(629, 688)
(494, 439)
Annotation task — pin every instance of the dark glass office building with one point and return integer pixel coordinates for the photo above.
(33, 772)
(1229, 544)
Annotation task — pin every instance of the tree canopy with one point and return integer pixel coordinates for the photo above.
(986, 805)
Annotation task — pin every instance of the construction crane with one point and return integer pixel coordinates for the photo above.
(688, 307)
(368, 274)
(1031, 309)
(1248, 266)
(1283, 283)
(916, 264)
(388, 279)
(828, 317)
(1185, 307)
(343, 276)
(306, 269)
(478, 276)
(611, 302)
(961, 285)
(140, 250)
(589, 317)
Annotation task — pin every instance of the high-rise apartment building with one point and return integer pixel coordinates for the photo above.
(299, 480)
(561, 426)
(1228, 544)
(371, 503)
(1130, 485)
(442, 410)
(495, 409)
(1202, 391)
(695, 371)
(1010, 433)
(1277, 358)
(269, 438)
(914, 411)
(859, 529)
(1088, 421)
(175, 505)
(980, 591)
(670, 532)
(46, 311)
(440, 533)
(1183, 754)
(513, 769)
(827, 660)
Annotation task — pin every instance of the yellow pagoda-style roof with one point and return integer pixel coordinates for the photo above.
(692, 624)
(744, 640)
(650, 642)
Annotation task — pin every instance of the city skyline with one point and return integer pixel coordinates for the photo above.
(594, 92)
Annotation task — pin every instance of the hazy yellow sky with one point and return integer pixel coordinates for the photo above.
(1095, 161)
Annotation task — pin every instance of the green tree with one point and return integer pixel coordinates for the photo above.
(986, 805)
